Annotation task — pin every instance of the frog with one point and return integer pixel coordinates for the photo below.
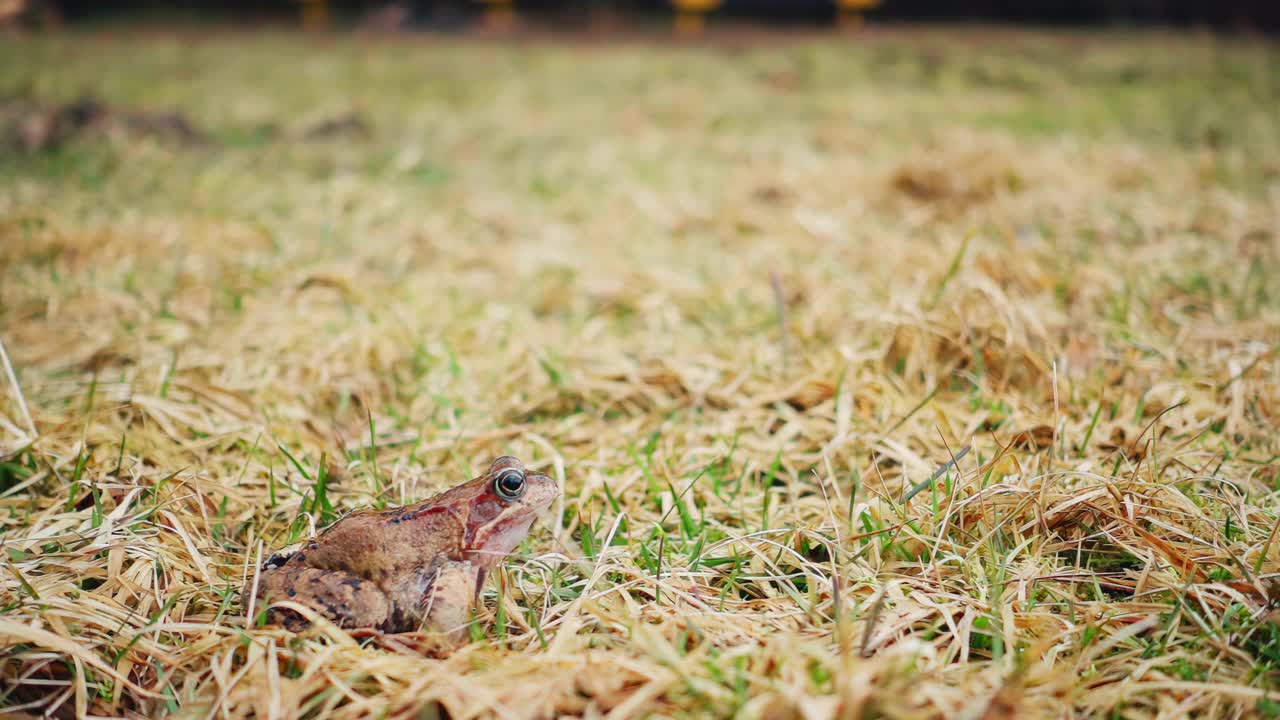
(419, 567)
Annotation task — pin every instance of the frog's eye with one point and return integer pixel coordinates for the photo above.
(509, 485)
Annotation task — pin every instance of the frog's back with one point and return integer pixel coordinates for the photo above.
(381, 545)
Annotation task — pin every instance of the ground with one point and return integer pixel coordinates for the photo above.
(737, 298)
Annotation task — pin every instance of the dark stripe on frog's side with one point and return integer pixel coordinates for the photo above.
(275, 561)
(278, 559)
(414, 512)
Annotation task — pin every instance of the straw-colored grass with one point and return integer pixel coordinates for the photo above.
(737, 301)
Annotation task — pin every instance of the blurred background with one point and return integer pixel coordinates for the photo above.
(742, 275)
(685, 15)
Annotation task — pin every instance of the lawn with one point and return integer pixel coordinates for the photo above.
(741, 300)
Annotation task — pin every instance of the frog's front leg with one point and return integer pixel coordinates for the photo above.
(347, 600)
(445, 606)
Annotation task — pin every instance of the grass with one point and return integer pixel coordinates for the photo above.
(738, 301)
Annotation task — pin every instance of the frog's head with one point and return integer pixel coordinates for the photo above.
(501, 505)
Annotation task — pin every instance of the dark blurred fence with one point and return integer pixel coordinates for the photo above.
(1224, 14)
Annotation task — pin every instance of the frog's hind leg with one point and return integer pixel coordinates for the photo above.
(347, 600)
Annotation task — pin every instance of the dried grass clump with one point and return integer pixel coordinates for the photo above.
(743, 352)
(953, 174)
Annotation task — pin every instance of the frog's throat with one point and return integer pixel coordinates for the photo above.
(495, 545)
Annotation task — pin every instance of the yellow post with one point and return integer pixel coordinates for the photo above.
(849, 12)
(45, 14)
(11, 12)
(315, 14)
(691, 15)
(499, 15)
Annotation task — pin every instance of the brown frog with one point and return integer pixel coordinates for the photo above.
(411, 567)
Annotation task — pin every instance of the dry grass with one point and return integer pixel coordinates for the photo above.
(737, 302)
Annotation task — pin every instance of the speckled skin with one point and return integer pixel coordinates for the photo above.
(411, 567)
